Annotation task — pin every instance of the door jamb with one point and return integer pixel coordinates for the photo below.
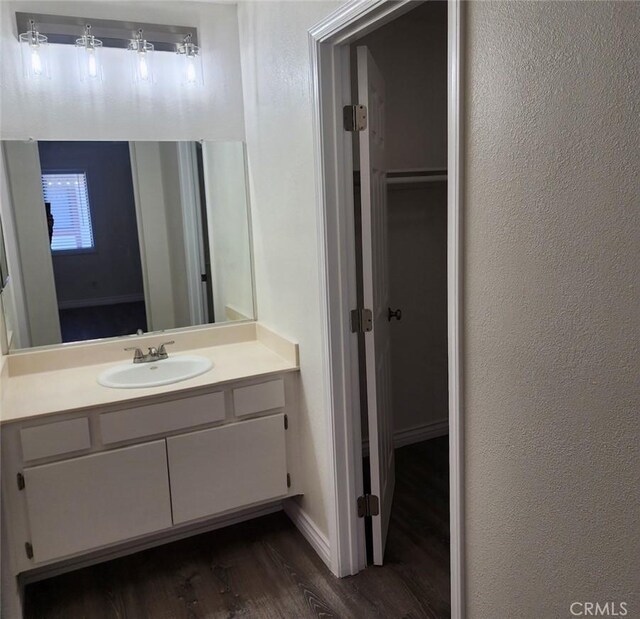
(330, 84)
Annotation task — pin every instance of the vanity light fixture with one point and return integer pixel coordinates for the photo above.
(190, 62)
(89, 51)
(141, 59)
(141, 42)
(34, 48)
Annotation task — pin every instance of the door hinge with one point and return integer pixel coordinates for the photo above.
(203, 277)
(28, 548)
(355, 117)
(368, 505)
(288, 480)
(286, 422)
(20, 479)
(361, 320)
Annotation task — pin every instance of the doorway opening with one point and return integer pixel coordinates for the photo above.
(390, 216)
(91, 217)
(399, 73)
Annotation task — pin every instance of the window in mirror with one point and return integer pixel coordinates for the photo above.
(68, 212)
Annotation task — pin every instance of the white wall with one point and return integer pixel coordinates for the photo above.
(552, 306)
(153, 234)
(33, 250)
(13, 298)
(276, 80)
(228, 229)
(411, 53)
(417, 225)
(63, 108)
(175, 232)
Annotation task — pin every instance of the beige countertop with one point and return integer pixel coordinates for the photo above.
(25, 394)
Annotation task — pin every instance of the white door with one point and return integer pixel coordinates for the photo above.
(95, 500)
(376, 295)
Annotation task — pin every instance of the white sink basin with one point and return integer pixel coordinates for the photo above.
(154, 373)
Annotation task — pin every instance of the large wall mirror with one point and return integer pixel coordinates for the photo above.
(119, 238)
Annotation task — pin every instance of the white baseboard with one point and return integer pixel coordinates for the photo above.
(416, 434)
(309, 530)
(123, 298)
(423, 432)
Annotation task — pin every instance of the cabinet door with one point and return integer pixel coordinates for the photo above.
(223, 468)
(87, 502)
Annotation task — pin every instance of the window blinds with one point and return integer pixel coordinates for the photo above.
(69, 199)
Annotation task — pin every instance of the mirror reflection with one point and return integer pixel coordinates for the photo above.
(119, 238)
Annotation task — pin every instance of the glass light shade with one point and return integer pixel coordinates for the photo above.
(34, 49)
(89, 53)
(190, 64)
(140, 54)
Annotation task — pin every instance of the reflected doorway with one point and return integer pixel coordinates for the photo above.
(91, 216)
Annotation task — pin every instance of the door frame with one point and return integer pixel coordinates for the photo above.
(330, 73)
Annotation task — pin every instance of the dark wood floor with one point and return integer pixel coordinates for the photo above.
(265, 569)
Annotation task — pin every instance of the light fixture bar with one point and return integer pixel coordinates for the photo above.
(112, 33)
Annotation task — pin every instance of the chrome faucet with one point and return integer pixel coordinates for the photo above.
(154, 354)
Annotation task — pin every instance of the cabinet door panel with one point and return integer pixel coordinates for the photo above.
(88, 502)
(223, 468)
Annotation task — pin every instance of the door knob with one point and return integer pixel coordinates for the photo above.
(397, 314)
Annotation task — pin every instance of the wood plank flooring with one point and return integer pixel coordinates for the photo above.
(265, 569)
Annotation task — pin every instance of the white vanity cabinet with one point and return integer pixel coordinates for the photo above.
(84, 485)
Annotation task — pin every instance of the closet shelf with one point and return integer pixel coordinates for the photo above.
(405, 177)
(409, 177)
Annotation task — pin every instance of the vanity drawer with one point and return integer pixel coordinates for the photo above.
(258, 398)
(162, 418)
(53, 439)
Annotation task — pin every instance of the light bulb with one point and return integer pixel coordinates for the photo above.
(89, 56)
(140, 53)
(190, 61)
(191, 71)
(92, 68)
(143, 67)
(36, 61)
(34, 53)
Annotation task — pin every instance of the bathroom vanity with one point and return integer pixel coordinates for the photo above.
(91, 472)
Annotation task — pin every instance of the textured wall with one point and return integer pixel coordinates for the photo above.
(64, 108)
(551, 359)
(276, 77)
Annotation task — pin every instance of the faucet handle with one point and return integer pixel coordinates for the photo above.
(138, 355)
(161, 350)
